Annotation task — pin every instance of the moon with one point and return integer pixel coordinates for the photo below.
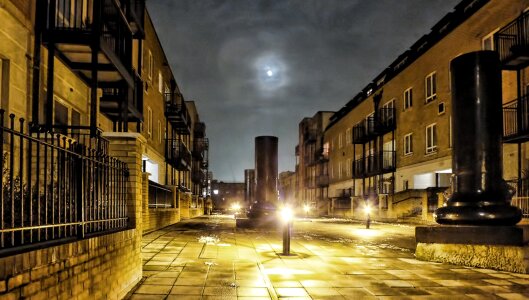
(271, 72)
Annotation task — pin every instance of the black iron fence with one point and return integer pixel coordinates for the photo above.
(55, 188)
(160, 196)
(372, 164)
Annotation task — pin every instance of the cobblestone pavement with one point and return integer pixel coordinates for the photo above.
(207, 258)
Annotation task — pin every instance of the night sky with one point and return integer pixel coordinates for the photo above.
(257, 67)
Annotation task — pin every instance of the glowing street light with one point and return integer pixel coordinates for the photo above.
(306, 209)
(286, 216)
(236, 207)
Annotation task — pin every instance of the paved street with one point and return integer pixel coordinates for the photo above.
(207, 258)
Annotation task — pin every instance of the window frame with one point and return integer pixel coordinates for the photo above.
(150, 70)
(408, 98)
(431, 130)
(408, 144)
(149, 121)
(430, 81)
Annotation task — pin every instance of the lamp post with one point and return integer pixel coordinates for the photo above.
(367, 210)
(286, 217)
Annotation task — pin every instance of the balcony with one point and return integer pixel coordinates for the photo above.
(198, 176)
(310, 136)
(200, 130)
(322, 180)
(372, 127)
(177, 155)
(176, 112)
(516, 121)
(374, 164)
(364, 131)
(112, 99)
(512, 43)
(200, 146)
(386, 120)
(345, 193)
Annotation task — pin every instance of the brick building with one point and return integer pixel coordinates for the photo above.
(399, 157)
(109, 152)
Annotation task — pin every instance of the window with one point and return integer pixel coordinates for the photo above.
(431, 87)
(348, 167)
(348, 136)
(150, 68)
(4, 83)
(326, 150)
(487, 43)
(408, 144)
(160, 82)
(408, 98)
(340, 169)
(340, 141)
(387, 112)
(441, 108)
(149, 121)
(159, 132)
(431, 138)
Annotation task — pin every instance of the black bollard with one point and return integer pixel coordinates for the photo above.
(480, 195)
(287, 232)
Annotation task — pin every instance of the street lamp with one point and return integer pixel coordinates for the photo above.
(286, 217)
(306, 209)
(367, 210)
(236, 207)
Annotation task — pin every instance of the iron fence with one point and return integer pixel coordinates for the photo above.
(55, 188)
(512, 40)
(160, 196)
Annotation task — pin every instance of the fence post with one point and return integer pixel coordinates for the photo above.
(79, 184)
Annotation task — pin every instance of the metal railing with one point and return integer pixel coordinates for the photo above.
(521, 196)
(177, 154)
(372, 164)
(200, 146)
(516, 118)
(55, 189)
(82, 135)
(83, 15)
(364, 131)
(512, 41)
(387, 120)
(160, 196)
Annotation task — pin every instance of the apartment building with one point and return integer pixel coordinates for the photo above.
(81, 84)
(399, 155)
(287, 187)
(312, 164)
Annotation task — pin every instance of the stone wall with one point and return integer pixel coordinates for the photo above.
(103, 267)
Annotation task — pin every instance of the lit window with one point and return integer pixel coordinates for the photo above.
(160, 82)
(408, 98)
(431, 87)
(408, 144)
(215, 192)
(431, 138)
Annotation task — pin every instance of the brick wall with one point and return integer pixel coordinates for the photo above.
(104, 267)
(156, 218)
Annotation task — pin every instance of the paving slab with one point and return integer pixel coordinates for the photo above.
(225, 262)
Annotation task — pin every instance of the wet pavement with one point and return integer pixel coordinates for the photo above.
(207, 258)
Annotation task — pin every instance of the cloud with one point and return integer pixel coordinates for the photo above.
(323, 52)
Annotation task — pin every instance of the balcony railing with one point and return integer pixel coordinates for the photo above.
(512, 43)
(54, 189)
(176, 112)
(374, 164)
(516, 120)
(322, 180)
(372, 127)
(160, 196)
(310, 135)
(177, 155)
(200, 146)
(364, 131)
(198, 176)
(387, 120)
(200, 130)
